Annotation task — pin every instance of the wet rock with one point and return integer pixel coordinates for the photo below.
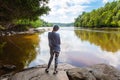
(95, 72)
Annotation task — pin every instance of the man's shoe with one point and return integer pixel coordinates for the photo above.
(46, 70)
(55, 72)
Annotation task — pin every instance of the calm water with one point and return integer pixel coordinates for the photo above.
(79, 47)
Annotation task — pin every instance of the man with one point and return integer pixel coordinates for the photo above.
(54, 44)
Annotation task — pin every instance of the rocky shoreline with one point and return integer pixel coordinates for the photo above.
(67, 72)
(30, 31)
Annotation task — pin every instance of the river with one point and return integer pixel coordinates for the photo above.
(79, 47)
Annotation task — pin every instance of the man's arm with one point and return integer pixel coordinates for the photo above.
(59, 40)
(50, 44)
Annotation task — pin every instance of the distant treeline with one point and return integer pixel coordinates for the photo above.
(107, 16)
(65, 24)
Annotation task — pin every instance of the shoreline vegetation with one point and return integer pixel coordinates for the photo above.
(104, 17)
(100, 29)
(21, 15)
(35, 30)
(29, 31)
(107, 16)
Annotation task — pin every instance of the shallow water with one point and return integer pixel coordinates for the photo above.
(79, 47)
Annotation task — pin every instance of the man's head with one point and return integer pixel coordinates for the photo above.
(55, 28)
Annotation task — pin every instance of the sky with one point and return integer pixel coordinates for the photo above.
(65, 11)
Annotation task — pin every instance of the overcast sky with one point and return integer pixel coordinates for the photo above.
(65, 11)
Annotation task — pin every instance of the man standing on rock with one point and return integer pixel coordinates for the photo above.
(54, 44)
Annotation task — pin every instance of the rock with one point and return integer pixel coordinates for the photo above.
(65, 66)
(39, 30)
(6, 70)
(38, 73)
(105, 72)
(95, 72)
(8, 67)
(6, 76)
(67, 72)
(80, 74)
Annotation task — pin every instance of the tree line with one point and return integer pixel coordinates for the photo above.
(107, 16)
(64, 24)
(25, 12)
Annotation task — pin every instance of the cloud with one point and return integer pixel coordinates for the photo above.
(105, 1)
(65, 11)
(112, 59)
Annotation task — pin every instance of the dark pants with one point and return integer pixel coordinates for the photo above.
(52, 53)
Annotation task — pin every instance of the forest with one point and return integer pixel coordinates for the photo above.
(23, 12)
(106, 16)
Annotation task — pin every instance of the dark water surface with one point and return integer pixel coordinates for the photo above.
(79, 47)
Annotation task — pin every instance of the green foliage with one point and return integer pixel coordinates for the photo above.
(40, 23)
(107, 16)
(37, 23)
(118, 23)
(34, 24)
(30, 10)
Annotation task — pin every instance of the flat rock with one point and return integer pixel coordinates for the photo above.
(68, 72)
(38, 73)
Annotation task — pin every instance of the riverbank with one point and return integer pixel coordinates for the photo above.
(67, 72)
(30, 31)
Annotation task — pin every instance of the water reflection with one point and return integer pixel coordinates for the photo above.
(78, 48)
(82, 48)
(108, 41)
(18, 50)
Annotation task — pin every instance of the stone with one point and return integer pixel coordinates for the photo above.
(67, 72)
(9, 67)
(95, 72)
(80, 74)
(38, 73)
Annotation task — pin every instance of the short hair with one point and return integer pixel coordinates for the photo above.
(56, 27)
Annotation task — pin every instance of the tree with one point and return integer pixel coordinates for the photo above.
(107, 16)
(12, 11)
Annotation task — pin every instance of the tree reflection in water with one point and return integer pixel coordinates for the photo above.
(18, 50)
(108, 41)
